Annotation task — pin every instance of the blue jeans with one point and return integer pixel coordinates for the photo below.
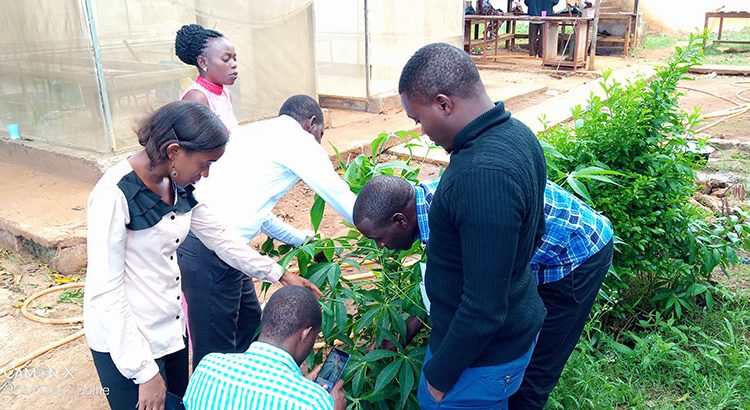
(486, 387)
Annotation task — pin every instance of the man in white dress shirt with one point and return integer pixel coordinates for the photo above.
(269, 157)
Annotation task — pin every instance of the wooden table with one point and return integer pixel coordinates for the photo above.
(721, 16)
(580, 36)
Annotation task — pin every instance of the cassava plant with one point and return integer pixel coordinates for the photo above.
(358, 315)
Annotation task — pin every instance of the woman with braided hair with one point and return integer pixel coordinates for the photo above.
(216, 60)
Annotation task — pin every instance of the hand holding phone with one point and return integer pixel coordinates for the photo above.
(333, 369)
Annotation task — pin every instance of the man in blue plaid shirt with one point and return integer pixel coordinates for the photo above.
(569, 265)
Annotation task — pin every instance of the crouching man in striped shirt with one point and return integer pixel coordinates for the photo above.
(268, 376)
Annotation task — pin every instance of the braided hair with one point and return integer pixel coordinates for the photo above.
(191, 40)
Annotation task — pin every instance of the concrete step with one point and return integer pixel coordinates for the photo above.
(44, 214)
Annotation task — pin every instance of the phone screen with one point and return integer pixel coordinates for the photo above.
(332, 369)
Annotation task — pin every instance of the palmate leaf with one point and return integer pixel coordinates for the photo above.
(378, 144)
(378, 354)
(387, 374)
(366, 319)
(406, 378)
(358, 381)
(391, 166)
(341, 316)
(398, 323)
(320, 272)
(316, 212)
(578, 187)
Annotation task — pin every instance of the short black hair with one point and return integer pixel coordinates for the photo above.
(188, 123)
(381, 198)
(439, 68)
(301, 107)
(289, 310)
(191, 40)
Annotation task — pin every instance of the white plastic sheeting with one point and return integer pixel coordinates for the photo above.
(50, 84)
(381, 34)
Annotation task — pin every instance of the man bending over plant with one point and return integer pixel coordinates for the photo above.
(569, 266)
(262, 162)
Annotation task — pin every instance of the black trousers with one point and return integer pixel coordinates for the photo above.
(223, 310)
(568, 302)
(122, 393)
(535, 39)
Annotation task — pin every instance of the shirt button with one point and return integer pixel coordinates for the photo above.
(177, 278)
(171, 257)
(171, 217)
(177, 240)
(178, 297)
(177, 317)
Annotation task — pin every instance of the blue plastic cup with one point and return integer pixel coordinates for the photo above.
(13, 132)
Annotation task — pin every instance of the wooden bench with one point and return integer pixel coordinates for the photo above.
(721, 16)
(630, 29)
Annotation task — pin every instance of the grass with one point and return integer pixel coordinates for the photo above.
(729, 54)
(521, 28)
(738, 56)
(657, 41)
(699, 362)
(72, 296)
(725, 54)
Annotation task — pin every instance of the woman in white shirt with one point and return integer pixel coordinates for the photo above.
(138, 214)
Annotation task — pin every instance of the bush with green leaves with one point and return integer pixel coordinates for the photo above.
(638, 136)
(361, 314)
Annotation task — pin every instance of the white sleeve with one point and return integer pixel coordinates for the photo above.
(281, 231)
(105, 292)
(315, 168)
(230, 248)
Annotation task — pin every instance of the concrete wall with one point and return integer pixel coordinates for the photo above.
(682, 16)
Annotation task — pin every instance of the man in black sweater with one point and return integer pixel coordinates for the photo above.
(486, 218)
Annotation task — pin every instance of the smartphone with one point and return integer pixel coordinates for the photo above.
(333, 368)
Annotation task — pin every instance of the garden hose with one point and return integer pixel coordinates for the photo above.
(745, 88)
(10, 368)
(728, 113)
(79, 319)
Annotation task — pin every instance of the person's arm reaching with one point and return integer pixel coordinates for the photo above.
(281, 231)
(312, 165)
(238, 254)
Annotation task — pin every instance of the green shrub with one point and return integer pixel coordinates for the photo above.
(362, 314)
(667, 250)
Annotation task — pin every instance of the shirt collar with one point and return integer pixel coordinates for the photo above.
(146, 208)
(284, 358)
(495, 116)
(211, 87)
